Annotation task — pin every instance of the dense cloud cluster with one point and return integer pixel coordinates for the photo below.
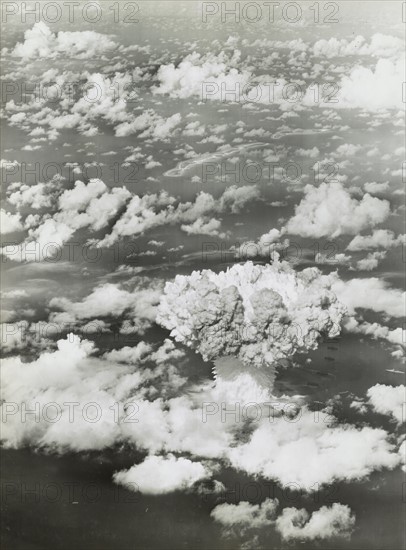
(70, 387)
(258, 314)
(74, 395)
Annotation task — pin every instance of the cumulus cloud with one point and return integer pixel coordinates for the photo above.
(154, 210)
(371, 261)
(159, 475)
(90, 205)
(129, 354)
(328, 522)
(102, 97)
(370, 293)
(108, 299)
(254, 313)
(95, 99)
(39, 383)
(149, 124)
(376, 188)
(10, 222)
(4, 163)
(135, 396)
(204, 226)
(380, 238)
(245, 320)
(23, 335)
(375, 330)
(373, 89)
(59, 385)
(330, 452)
(381, 45)
(41, 42)
(389, 400)
(291, 523)
(236, 198)
(265, 247)
(222, 77)
(141, 214)
(317, 214)
(40, 195)
(143, 384)
(245, 516)
(93, 206)
(188, 78)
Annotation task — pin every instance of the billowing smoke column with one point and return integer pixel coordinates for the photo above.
(257, 314)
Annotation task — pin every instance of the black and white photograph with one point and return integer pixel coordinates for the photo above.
(203, 275)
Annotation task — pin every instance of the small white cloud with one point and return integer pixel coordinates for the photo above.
(159, 475)
(244, 516)
(371, 261)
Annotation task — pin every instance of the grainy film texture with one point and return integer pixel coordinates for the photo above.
(203, 260)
